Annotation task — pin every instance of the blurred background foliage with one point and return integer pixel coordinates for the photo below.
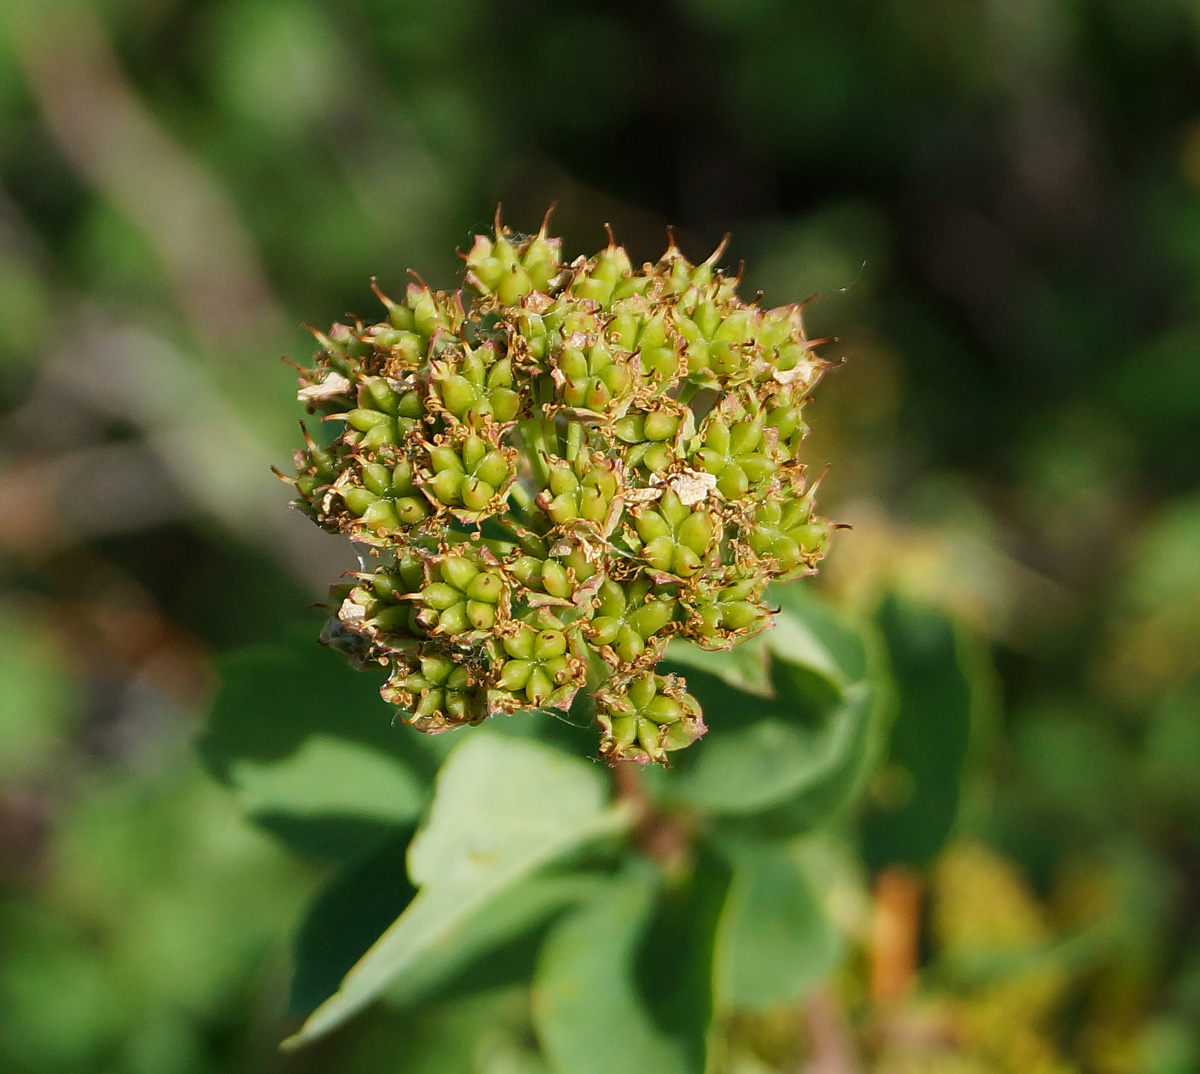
(998, 205)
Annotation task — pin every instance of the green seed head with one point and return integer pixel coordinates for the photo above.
(558, 469)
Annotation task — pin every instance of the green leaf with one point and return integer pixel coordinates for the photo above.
(674, 966)
(744, 668)
(483, 1033)
(1167, 768)
(502, 808)
(775, 940)
(273, 698)
(809, 633)
(312, 747)
(775, 765)
(918, 788)
(328, 776)
(345, 918)
(336, 839)
(588, 1013)
(794, 754)
(495, 948)
(806, 634)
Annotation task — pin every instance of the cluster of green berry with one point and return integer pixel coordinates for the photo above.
(558, 469)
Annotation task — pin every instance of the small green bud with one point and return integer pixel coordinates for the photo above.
(381, 395)
(520, 646)
(539, 687)
(377, 478)
(549, 644)
(664, 710)
(436, 668)
(409, 510)
(515, 674)
(364, 420)
(660, 425)
(443, 457)
(441, 596)
(696, 531)
(458, 394)
(381, 515)
(630, 428)
(357, 500)
(650, 618)
(651, 526)
(453, 621)
(555, 579)
(386, 434)
(629, 643)
(605, 629)
(515, 286)
(486, 587)
(641, 691)
(475, 494)
(459, 571)
(447, 486)
(482, 614)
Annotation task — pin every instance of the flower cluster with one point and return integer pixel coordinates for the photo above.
(557, 469)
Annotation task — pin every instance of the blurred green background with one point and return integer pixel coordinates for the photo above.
(997, 203)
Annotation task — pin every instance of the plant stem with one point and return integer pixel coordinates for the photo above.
(662, 838)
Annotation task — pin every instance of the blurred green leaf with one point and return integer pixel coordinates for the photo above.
(25, 304)
(37, 699)
(346, 917)
(919, 785)
(836, 252)
(792, 754)
(63, 1028)
(807, 634)
(273, 697)
(674, 962)
(1169, 769)
(278, 64)
(159, 912)
(775, 940)
(309, 744)
(495, 948)
(1168, 1046)
(588, 1013)
(742, 668)
(774, 766)
(1072, 766)
(479, 1034)
(328, 776)
(1165, 572)
(335, 839)
(502, 808)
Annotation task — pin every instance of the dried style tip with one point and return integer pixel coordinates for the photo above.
(557, 472)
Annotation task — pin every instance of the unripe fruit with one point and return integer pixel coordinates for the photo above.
(358, 500)
(558, 470)
(364, 420)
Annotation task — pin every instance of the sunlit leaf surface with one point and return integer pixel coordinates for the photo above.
(502, 808)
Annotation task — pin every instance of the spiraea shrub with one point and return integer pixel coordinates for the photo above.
(556, 469)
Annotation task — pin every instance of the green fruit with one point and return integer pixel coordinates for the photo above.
(558, 468)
